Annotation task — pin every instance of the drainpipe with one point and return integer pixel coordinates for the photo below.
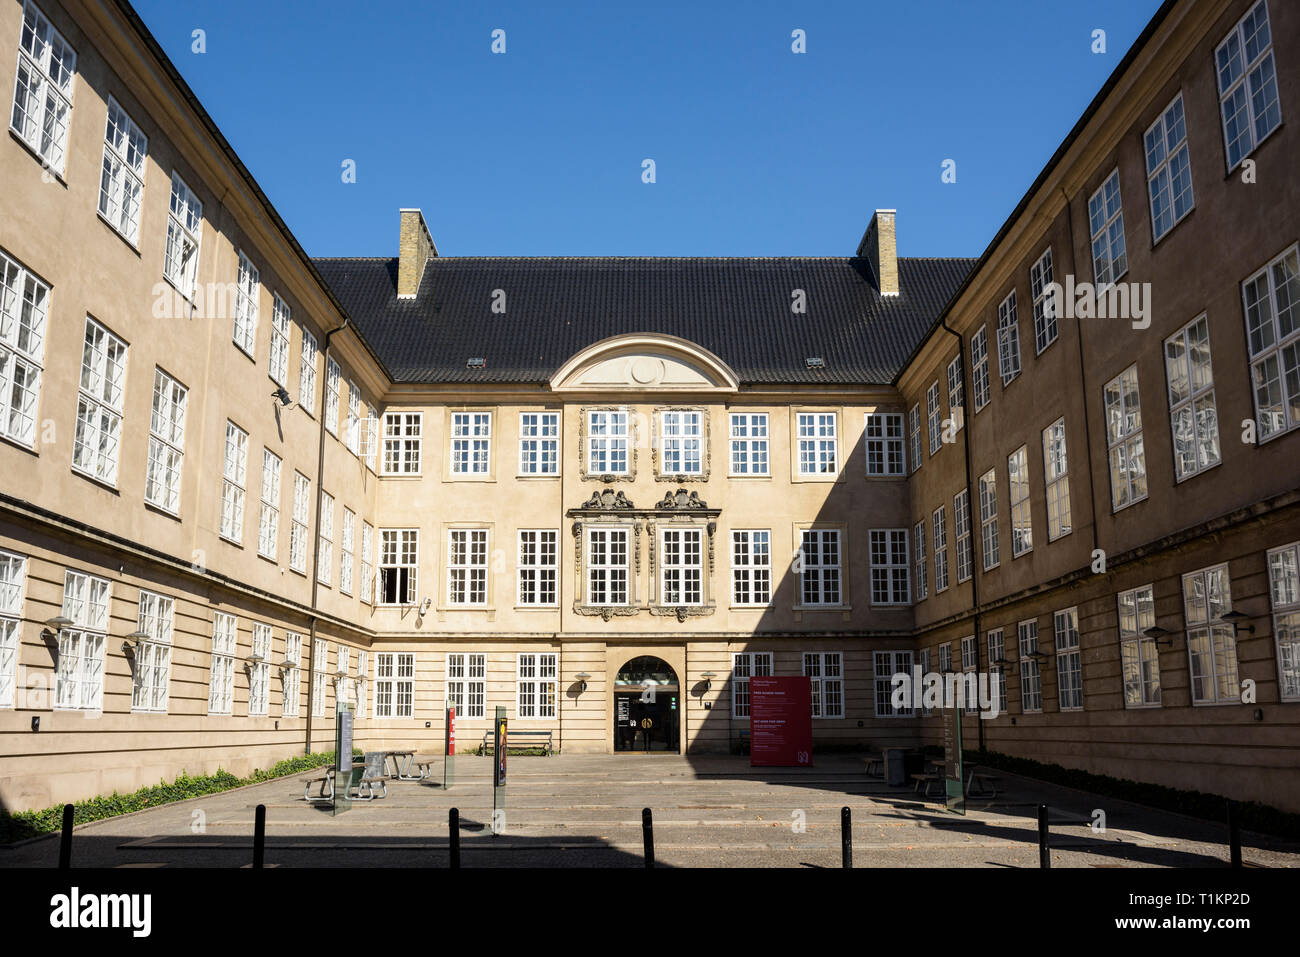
(1083, 383)
(970, 507)
(312, 569)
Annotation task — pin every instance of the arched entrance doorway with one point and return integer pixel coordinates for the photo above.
(647, 714)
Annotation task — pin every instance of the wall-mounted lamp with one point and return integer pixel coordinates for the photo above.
(1235, 619)
(1001, 664)
(285, 666)
(708, 677)
(582, 677)
(132, 641)
(283, 395)
(424, 606)
(1158, 635)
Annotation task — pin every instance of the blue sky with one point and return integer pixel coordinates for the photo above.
(538, 151)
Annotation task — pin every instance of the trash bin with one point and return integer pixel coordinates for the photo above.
(895, 767)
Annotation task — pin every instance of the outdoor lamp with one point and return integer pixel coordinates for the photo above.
(708, 677)
(283, 395)
(1235, 619)
(1002, 665)
(133, 640)
(1157, 633)
(424, 605)
(582, 677)
(284, 666)
(59, 622)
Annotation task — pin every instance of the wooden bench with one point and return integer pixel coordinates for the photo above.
(516, 740)
(928, 779)
(876, 766)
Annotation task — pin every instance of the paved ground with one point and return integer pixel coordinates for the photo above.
(709, 811)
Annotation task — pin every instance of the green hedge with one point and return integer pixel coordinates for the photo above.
(25, 824)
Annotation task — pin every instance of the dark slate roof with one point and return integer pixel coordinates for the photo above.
(738, 308)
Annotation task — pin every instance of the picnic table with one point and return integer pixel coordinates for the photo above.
(402, 768)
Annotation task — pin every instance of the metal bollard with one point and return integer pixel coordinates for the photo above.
(259, 837)
(453, 838)
(648, 832)
(65, 839)
(1234, 835)
(846, 837)
(1044, 854)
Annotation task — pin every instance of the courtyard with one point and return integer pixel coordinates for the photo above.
(709, 811)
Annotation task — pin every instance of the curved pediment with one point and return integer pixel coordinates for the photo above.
(645, 362)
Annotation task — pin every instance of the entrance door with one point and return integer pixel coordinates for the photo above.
(646, 706)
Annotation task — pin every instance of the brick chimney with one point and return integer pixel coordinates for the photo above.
(414, 249)
(879, 246)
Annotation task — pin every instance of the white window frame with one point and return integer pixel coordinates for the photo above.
(539, 567)
(164, 466)
(1069, 659)
(234, 477)
(1031, 674)
(325, 540)
(394, 685)
(1284, 596)
(471, 443)
(956, 394)
(681, 579)
(914, 435)
(403, 439)
(1008, 340)
(259, 671)
(83, 645)
(539, 443)
(939, 525)
(988, 492)
(1022, 520)
(746, 665)
(885, 444)
(1213, 674)
(97, 435)
(280, 325)
(821, 579)
(979, 364)
(307, 373)
(1106, 227)
(1263, 287)
(961, 528)
(1056, 481)
(934, 426)
(920, 573)
(749, 433)
(399, 557)
(13, 582)
(681, 441)
(825, 673)
(184, 238)
(1169, 168)
(467, 567)
(347, 546)
(751, 567)
(467, 684)
(24, 307)
(818, 443)
(1124, 442)
(606, 573)
(50, 65)
(997, 647)
(609, 441)
(1244, 83)
(221, 667)
(151, 669)
(1040, 278)
(1141, 689)
(1192, 406)
(352, 426)
(268, 518)
(333, 376)
(367, 562)
(248, 291)
(121, 181)
(884, 665)
(891, 571)
(290, 700)
(298, 523)
(536, 686)
(319, 676)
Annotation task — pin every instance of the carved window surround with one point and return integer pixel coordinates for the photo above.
(633, 434)
(705, 444)
(608, 507)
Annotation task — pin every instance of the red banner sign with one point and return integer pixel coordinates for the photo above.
(780, 722)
